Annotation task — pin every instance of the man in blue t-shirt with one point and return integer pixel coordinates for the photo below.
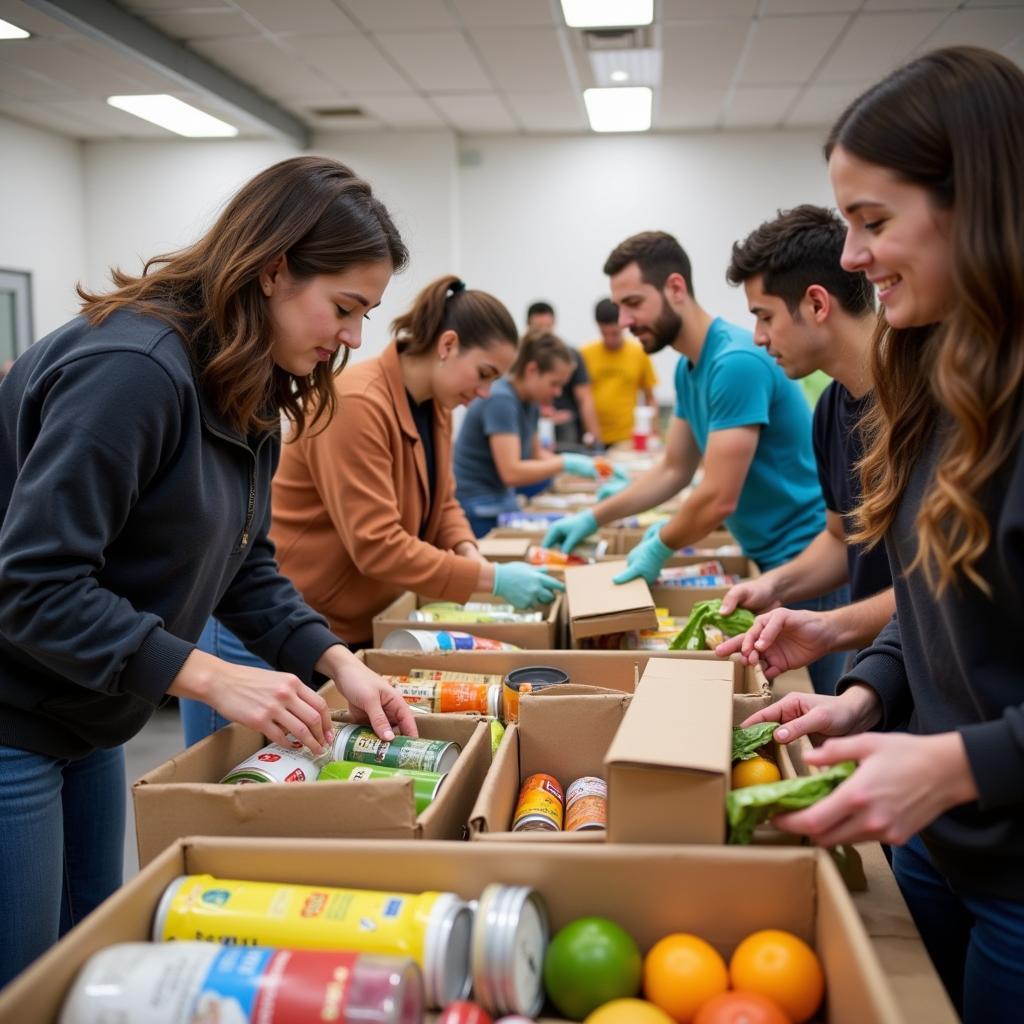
(811, 314)
(735, 409)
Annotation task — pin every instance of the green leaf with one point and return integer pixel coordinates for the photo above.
(708, 613)
(746, 808)
(747, 742)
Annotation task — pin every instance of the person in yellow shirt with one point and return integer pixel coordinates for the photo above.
(620, 370)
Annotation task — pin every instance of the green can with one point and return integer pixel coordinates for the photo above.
(362, 744)
(424, 784)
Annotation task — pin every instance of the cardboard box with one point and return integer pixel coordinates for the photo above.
(542, 635)
(668, 767)
(504, 549)
(596, 606)
(184, 795)
(627, 538)
(720, 894)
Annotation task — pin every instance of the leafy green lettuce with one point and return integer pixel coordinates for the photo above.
(707, 616)
(746, 808)
(747, 742)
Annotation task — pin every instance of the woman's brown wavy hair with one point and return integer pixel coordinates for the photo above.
(952, 122)
(317, 214)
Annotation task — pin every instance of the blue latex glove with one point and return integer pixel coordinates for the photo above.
(579, 465)
(645, 560)
(654, 530)
(611, 486)
(524, 585)
(568, 532)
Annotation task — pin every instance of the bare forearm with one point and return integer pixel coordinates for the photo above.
(858, 624)
(818, 569)
(646, 491)
(702, 512)
(531, 471)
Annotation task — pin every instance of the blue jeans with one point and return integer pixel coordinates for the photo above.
(976, 945)
(825, 672)
(198, 720)
(62, 851)
(483, 513)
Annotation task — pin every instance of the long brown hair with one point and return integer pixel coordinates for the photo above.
(951, 122)
(478, 318)
(317, 214)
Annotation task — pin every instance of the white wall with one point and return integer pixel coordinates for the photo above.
(41, 228)
(539, 216)
(147, 198)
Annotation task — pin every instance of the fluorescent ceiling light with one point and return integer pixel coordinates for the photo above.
(174, 115)
(619, 75)
(619, 110)
(607, 13)
(9, 31)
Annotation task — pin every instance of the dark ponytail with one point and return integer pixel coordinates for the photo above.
(478, 318)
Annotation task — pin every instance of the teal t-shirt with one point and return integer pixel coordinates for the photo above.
(736, 384)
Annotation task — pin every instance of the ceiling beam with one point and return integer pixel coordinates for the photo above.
(109, 24)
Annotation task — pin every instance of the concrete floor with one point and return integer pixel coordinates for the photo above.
(159, 741)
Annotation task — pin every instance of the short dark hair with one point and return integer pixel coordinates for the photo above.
(606, 312)
(656, 253)
(799, 248)
(540, 307)
(542, 348)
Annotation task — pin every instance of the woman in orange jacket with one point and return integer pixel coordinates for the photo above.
(365, 509)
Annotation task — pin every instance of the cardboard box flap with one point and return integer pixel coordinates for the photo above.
(504, 547)
(680, 718)
(597, 605)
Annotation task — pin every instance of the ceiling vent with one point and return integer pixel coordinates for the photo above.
(339, 112)
(638, 37)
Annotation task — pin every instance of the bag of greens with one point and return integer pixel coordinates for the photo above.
(707, 626)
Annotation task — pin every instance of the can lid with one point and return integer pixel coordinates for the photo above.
(510, 938)
(448, 757)
(340, 739)
(446, 974)
(494, 700)
(164, 906)
(539, 675)
(410, 640)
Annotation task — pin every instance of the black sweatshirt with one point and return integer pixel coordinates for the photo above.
(954, 664)
(130, 511)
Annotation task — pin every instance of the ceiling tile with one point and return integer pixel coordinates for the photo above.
(399, 15)
(701, 55)
(408, 111)
(772, 7)
(504, 14)
(788, 50)
(131, 68)
(350, 62)
(694, 109)
(821, 104)
(200, 24)
(993, 3)
(993, 28)
(876, 43)
(116, 123)
(909, 5)
(262, 64)
(171, 5)
(40, 116)
(23, 83)
(436, 61)
(524, 60)
(31, 20)
(760, 106)
(554, 112)
(79, 72)
(483, 113)
(299, 15)
(686, 10)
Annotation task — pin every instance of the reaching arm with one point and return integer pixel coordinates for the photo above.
(588, 412)
(514, 470)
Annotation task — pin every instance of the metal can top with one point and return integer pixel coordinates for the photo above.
(494, 701)
(510, 938)
(164, 906)
(537, 675)
(446, 972)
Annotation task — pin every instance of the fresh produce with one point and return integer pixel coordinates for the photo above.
(755, 771)
(497, 733)
(783, 967)
(746, 808)
(741, 1008)
(464, 1012)
(707, 627)
(681, 973)
(629, 1011)
(589, 963)
(747, 742)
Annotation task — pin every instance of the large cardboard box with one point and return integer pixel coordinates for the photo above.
(596, 606)
(720, 894)
(184, 795)
(504, 549)
(541, 635)
(668, 767)
(627, 538)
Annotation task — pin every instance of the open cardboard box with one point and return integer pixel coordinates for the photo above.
(721, 894)
(541, 635)
(184, 795)
(627, 538)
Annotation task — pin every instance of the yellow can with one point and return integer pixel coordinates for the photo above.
(434, 928)
(541, 805)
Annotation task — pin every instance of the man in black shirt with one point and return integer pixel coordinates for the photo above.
(813, 315)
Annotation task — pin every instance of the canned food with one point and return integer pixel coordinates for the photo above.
(463, 1012)
(441, 640)
(528, 679)
(540, 805)
(481, 613)
(433, 928)
(362, 744)
(184, 982)
(510, 938)
(424, 784)
(439, 675)
(449, 696)
(586, 805)
(276, 763)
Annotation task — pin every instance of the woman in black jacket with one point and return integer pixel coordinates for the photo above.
(137, 446)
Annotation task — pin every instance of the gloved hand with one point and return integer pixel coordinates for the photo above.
(654, 530)
(579, 465)
(568, 532)
(524, 585)
(611, 486)
(645, 560)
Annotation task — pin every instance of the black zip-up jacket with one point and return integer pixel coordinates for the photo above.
(954, 664)
(130, 511)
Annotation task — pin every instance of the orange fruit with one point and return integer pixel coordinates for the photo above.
(741, 1008)
(681, 972)
(753, 772)
(628, 1011)
(781, 966)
